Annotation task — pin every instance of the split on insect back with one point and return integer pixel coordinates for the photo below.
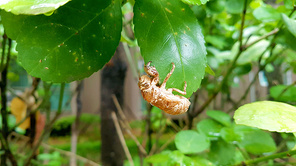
(160, 97)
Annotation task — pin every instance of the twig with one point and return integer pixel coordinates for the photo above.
(48, 127)
(121, 138)
(265, 158)
(229, 71)
(276, 30)
(126, 126)
(130, 61)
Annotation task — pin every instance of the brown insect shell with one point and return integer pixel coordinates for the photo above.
(162, 98)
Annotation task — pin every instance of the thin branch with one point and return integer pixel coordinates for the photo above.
(232, 66)
(121, 138)
(265, 158)
(276, 30)
(126, 126)
(48, 126)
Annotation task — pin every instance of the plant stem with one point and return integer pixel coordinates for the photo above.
(265, 158)
(48, 126)
(232, 66)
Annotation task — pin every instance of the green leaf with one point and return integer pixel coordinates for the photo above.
(289, 4)
(189, 142)
(230, 134)
(267, 115)
(266, 13)
(258, 142)
(167, 31)
(290, 24)
(31, 7)
(209, 70)
(71, 44)
(158, 158)
(195, 2)
(178, 158)
(283, 93)
(234, 6)
(222, 153)
(220, 116)
(200, 161)
(209, 127)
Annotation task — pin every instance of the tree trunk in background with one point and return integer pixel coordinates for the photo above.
(113, 76)
(76, 111)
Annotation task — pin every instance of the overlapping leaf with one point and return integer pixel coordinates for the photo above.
(31, 7)
(167, 31)
(268, 115)
(71, 44)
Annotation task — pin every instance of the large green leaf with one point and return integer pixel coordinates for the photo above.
(167, 31)
(268, 115)
(266, 13)
(290, 24)
(31, 7)
(71, 44)
(258, 142)
(189, 142)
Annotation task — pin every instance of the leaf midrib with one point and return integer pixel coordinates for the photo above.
(172, 30)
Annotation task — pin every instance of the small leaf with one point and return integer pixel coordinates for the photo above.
(222, 153)
(178, 158)
(195, 2)
(266, 13)
(209, 127)
(157, 158)
(209, 70)
(189, 142)
(31, 7)
(283, 93)
(290, 24)
(220, 116)
(167, 31)
(229, 134)
(267, 115)
(234, 6)
(258, 142)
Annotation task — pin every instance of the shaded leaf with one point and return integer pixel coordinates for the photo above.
(266, 13)
(290, 24)
(283, 93)
(167, 31)
(267, 115)
(258, 142)
(222, 153)
(209, 127)
(31, 7)
(71, 44)
(189, 142)
(209, 70)
(220, 116)
(234, 6)
(158, 158)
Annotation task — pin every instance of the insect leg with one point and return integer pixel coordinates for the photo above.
(168, 76)
(178, 90)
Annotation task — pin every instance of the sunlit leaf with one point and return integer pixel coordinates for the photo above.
(167, 31)
(267, 115)
(31, 7)
(195, 2)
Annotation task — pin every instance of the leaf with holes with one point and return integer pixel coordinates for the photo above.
(71, 44)
(167, 31)
(31, 7)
